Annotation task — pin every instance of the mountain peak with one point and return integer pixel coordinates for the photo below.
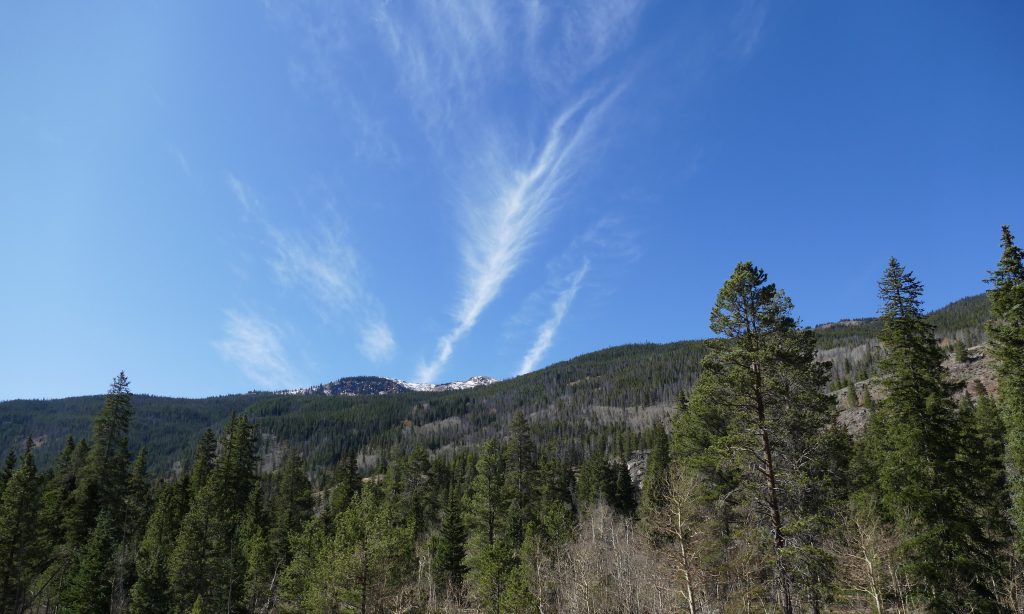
(371, 385)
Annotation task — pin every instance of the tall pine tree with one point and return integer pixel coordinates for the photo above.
(756, 423)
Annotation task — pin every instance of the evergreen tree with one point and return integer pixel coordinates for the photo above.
(756, 421)
(53, 516)
(88, 591)
(208, 560)
(960, 351)
(911, 450)
(21, 548)
(9, 466)
(520, 477)
(450, 547)
(621, 494)
(151, 593)
(594, 481)
(306, 547)
(292, 505)
(202, 462)
(103, 481)
(346, 483)
(261, 561)
(655, 480)
(369, 558)
(489, 501)
(137, 508)
(1006, 338)
(982, 450)
(554, 500)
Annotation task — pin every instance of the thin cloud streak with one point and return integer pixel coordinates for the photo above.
(547, 330)
(327, 270)
(499, 234)
(254, 346)
(377, 342)
(449, 54)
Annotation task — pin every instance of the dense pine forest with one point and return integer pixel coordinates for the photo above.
(713, 476)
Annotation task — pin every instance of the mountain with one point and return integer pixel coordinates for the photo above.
(370, 385)
(577, 402)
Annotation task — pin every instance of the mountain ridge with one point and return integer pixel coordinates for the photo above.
(360, 385)
(583, 400)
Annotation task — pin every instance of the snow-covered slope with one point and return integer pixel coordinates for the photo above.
(369, 385)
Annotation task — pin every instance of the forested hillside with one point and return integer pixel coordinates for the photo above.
(621, 390)
(523, 496)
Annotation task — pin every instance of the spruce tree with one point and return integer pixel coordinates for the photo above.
(595, 480)
(554, 500)
(202, 462)
(9, 466)
(103, 481)
(655, 480)
(151, 592)
(208, 559)
(450, 547)
(89, 589)
(621, 493)
(520, 477)
(292, 505)
(489, 501)
(21, 548)
(346, 484)
(911, 450)
(1006, 339)
(982, 449)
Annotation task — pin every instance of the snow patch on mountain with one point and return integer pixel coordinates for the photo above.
(367, 385)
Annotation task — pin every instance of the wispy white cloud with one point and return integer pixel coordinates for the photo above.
(377, 342)
(254, 346)
(547, 330)
(241, 194)
(182, 161)
(320, 264)
(499, 233)
(324, 266)
(565, 43)
(748, 24)
(450, 55)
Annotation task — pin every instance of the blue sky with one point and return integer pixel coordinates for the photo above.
(222, 196)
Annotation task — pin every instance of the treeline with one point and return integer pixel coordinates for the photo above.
(852, 346)
(753, 498)
(628, 387)
(167, 427)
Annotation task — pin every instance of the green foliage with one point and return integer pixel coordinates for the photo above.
(757, 415)
(208, 560)
(151, 592)
(594, 481)
(1006, 338)
(292, 505)
(21, 546)
(88, 591)
(102, 483)
(655, 481)
(449, 548)
(371, 554)
(518, 497)
(911, 454)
